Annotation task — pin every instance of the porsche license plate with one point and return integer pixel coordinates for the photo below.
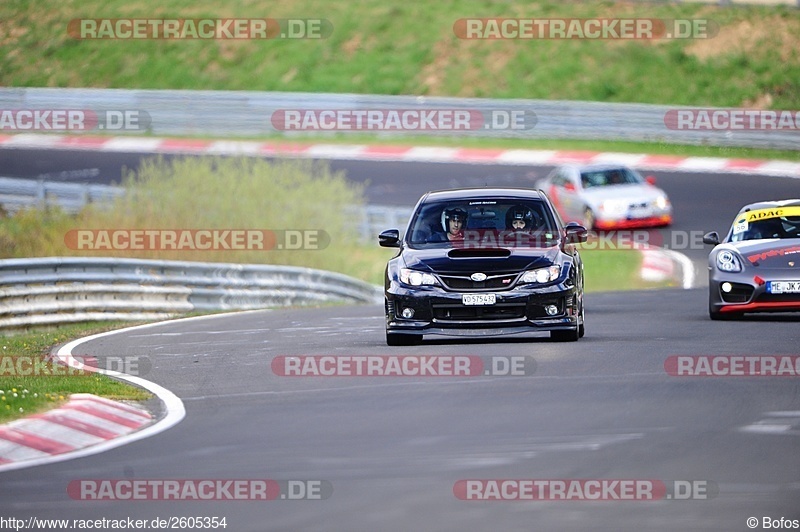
(479, 299)
(783, 287)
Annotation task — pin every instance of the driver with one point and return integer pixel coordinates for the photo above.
(455, 220)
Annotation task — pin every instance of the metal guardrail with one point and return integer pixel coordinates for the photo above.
(245, 113)
(18, 193)
(56, 290)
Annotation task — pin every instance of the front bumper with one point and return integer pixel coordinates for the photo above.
(748, 296)
(520, 310)
(632, 223)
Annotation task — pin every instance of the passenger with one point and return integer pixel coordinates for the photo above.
(519, 218)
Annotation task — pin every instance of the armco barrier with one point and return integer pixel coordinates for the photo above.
(54, 290)
(19, 193)
(249, 114)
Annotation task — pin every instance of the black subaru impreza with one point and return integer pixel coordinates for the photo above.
(483, 262)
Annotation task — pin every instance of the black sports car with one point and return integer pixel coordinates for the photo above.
(757, 267)
(484, 262)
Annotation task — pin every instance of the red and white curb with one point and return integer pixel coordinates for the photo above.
(660, 265)
(105, 421)
(84, 421)
(365, 152)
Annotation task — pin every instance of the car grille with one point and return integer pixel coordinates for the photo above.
(495, 312)
(493, 282)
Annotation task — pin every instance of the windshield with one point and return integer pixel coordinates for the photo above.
(483, 223)
(610, 176)
(766, 223)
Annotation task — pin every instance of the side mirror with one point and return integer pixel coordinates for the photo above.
(576, 233)
(712, 238)
(569, 185)
(389, 238)
(651, 179)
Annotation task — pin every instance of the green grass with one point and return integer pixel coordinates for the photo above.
(22, 395)
(612, 270)
(393, 47)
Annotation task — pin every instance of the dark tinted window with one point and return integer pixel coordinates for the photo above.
(786, 227)
(487, 221)
(613, 176)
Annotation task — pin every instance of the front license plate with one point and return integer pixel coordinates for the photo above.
(783, 287)
(479, 299)
(639, 213)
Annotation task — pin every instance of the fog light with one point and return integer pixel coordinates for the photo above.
(551, 310)
(408, 313)
(727, 287)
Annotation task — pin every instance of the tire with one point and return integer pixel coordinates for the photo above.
(569, 335)
(582, 325)
(394, 339)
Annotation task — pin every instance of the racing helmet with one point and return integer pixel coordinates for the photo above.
(519, 212)
(454, 212)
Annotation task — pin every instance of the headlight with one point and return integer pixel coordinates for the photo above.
(541, 275)
(728, 262)
(614, 206)
(415, 278)
(662, 202)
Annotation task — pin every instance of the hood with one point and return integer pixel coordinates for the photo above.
(770, 253)
(452, 260)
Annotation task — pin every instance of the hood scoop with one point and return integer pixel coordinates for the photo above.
(490, 253)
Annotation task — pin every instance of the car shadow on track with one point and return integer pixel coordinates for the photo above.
(472, 340)
(784, 318)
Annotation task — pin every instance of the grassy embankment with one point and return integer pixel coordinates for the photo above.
(750, 58)
(27, 388)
